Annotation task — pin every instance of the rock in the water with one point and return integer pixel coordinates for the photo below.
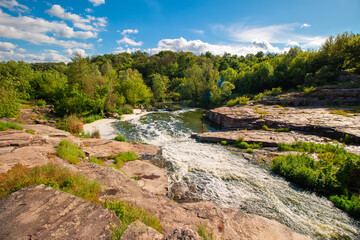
(183, 234)
(139, 231)
(42, 212)
(317, 121)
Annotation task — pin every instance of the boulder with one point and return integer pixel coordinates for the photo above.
(183, 234)
(139, 231)
(42, 212)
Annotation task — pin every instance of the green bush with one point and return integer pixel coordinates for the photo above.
(30, 131)
(57, 177)
(41, 102)
(120, 138)
(9, 125)
(129, 214)
(335, 172)
(224, 143)
(9, 101)
(70, 152)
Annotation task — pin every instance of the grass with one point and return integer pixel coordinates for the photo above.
(91, 118)
(31, 131)
(72, 124)
(120, 138)
(224, 143)
(240, 143)
(70, 152)
(9, 125)
(249, 150)
(260, 112)
(345, 113)
(205, 232)
(57, 177)
(334, 173)
(129, 214)
(124, 157)
(95, 133)
(244, 100)
(97, 161)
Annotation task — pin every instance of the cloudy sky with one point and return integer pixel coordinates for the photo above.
(47, 30)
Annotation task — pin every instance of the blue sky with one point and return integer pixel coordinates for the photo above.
(46, 30)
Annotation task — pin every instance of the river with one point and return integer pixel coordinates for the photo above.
(224, 177)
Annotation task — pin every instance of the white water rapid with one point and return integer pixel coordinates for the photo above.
(227, 179)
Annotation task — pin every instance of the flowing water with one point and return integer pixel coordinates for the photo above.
(227, 179)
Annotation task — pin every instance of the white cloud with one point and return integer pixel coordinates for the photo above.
(128, 31)
(78, 21)
(58, 11)
(127, 41)
(99, 40)
(71, 52)
(35, 30)
(305, 25)
(45, 56)
(198, 47)
(128, 50)
(197, 31)
(5, 46)
(279, 34)
(97, 2)
(13, 5)
(89, 10)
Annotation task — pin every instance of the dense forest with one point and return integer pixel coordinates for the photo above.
(114, 82)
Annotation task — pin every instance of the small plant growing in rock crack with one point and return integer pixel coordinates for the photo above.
(9, 125)
(205, 232)
(70, 152)
(129, 214)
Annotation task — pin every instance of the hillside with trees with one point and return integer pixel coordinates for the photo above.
(115, 82)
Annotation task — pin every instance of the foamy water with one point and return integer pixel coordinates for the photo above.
(225, 178)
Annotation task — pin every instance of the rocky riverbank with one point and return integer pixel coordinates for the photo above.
(147, 189)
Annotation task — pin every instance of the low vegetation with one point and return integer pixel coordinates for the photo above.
(266, 128)
(97, 161)
(124, 157)
(70, 152)
(9, 125)
(238, 101)
(260, 112)
(334, 173)
(72, 124)
(31, 131)
(240, 143)
(205, 232)
(120, 137)
(129, 214)
(345, 113)
(91, 118)
(57, 177)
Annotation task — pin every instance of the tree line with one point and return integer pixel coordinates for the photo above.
(107, 83)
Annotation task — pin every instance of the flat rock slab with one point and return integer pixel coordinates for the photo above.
(42, 212)
(102, 148)
(147, 175)
(314, 120)
(268, 138)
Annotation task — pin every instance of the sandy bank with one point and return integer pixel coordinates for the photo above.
(105, 126)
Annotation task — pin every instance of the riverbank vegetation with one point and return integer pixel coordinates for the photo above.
(91, 86)
(334, 172)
